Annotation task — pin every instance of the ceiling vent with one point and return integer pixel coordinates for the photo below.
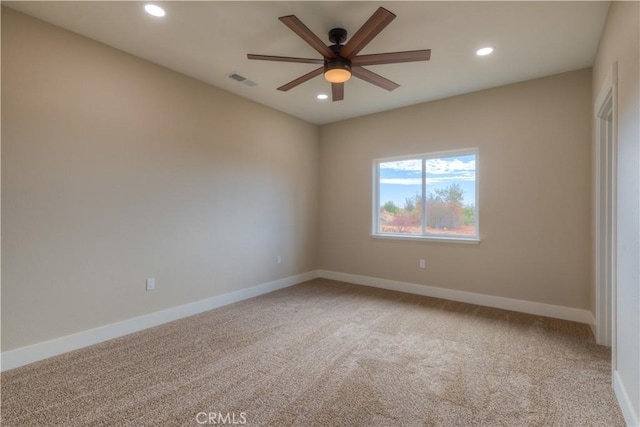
(241, 79)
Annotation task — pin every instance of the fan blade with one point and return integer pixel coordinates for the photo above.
(376, 23)
(285, 59)
(373, 78)
(392, 57)
(337, 91)
(301, 79)
(305, 34)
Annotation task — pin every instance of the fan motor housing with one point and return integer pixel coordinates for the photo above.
(339, 62)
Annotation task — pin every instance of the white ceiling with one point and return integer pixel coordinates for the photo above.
(209, 40)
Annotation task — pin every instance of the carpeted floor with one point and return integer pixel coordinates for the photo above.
(326, 353)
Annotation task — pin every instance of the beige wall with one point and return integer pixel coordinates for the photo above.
(534, 197)
(620, 44)
(115, 170)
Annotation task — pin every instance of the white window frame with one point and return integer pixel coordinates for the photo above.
(451, 238)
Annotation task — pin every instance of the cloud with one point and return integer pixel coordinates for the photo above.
(462, 176)
(404, 165)
(401, 181)
(439, 170)
(434, 166)
(442, 166)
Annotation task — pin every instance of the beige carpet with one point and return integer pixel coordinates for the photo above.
(326, 353)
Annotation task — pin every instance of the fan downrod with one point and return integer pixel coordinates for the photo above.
(338, 36)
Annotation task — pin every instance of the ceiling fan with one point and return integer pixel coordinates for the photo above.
(341, 61)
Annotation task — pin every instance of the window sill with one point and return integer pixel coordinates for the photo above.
(439, 239)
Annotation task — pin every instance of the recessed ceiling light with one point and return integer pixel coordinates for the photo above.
(322, 96)
(154, 10)
(484, 51)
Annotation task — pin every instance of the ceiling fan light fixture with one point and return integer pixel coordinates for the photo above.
(339, 57)
(337, 70)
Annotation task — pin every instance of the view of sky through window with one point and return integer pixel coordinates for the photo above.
(403, 178)
(450, 197)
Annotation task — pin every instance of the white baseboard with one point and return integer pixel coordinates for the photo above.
(540, 309)
(629, 413)
(593, 328)
(33, 353)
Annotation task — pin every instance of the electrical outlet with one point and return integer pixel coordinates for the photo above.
(423, 264)
(279, 259)
(151, 283)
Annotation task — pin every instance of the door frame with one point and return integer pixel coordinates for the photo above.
(605, 116)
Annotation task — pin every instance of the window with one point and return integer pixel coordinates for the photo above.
(428, 196)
